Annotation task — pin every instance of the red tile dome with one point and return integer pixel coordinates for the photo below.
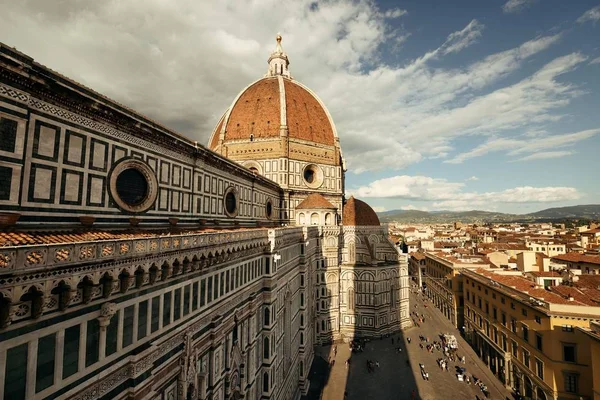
(359, 213)
(267, 105)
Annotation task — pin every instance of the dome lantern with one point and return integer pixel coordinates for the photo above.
(278, 61)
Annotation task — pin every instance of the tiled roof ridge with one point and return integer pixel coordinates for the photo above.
(315, 200)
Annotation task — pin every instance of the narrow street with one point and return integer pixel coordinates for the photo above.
(444, 384)
(399, 374)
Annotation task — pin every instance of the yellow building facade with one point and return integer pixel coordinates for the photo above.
(444, 284)
(531, 337)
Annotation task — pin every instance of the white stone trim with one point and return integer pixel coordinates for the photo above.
(282, 103)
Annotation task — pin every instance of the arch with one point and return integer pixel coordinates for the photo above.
(36, 297)
(124, 281)
(541, 395)
(5, 304)
(176, 267)
(164, 271)
(86, 285)
(328, 219)
(528, 387)
(314, 218)
(267, 316)
(301, 219)
(63, 291)
(266, 348)
(265, 381)
(106, 282)
(153, 273)
(139, 277)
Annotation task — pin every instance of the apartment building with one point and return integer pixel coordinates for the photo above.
(586, 263)
(550, 248)
(528, 335)
(444, 285)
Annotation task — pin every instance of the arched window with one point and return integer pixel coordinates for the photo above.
(323, 326)
(351, 298)
(328, 219)
(267, 316)
(314, 219)
(266, 348)
(301, 219)
(266, 382)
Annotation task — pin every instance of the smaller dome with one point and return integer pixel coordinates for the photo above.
(315, 201)
(359, 213)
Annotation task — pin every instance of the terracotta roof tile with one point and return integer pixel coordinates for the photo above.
(578, 258)
(257, 112)
(41, 238)
(359, 213)
(314, 200)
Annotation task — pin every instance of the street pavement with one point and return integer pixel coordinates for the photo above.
(395, 379)
(444, 384)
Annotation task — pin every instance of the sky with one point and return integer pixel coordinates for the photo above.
(439, 105)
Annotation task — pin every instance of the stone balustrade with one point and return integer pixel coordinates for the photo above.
(33, 257)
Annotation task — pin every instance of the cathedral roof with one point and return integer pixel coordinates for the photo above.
(359, 213)
(273, 104)
(314, 201)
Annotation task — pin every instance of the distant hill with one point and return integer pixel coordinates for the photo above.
(587, 212)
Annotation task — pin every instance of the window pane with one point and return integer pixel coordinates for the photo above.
(71, 351)
(195, 296)
(112, 331)
(167, 309)
(92, 342)
(142, 319)
(128, 326)
(155, 314)
(186, 300)
(16, 372)
(177, 305)
(44, 377)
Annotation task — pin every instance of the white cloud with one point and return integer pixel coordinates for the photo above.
(410, 207)
(545, 155)
(595, 61)
(513, 6)
(524, 144)
(457, 41)
(395, 13)
(592, 15)
(473, 178)
(447, 194)
(183, 66)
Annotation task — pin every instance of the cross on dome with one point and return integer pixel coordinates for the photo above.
(278, 61)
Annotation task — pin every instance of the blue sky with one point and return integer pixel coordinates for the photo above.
(453, 105)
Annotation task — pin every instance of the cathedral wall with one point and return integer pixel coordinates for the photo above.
(198, 324)
(63, 153)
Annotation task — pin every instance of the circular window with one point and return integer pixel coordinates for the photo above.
(133, 185)
(313, 176)
(230, 202)
(309, 175)
(269, 209)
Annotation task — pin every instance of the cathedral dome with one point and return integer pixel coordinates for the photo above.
(359, 213)
(266, 106)
(277, 108)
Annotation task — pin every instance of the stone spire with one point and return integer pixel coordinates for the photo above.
(278, 61)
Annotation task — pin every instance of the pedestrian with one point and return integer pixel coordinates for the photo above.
(408, 339)
(413, 395)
